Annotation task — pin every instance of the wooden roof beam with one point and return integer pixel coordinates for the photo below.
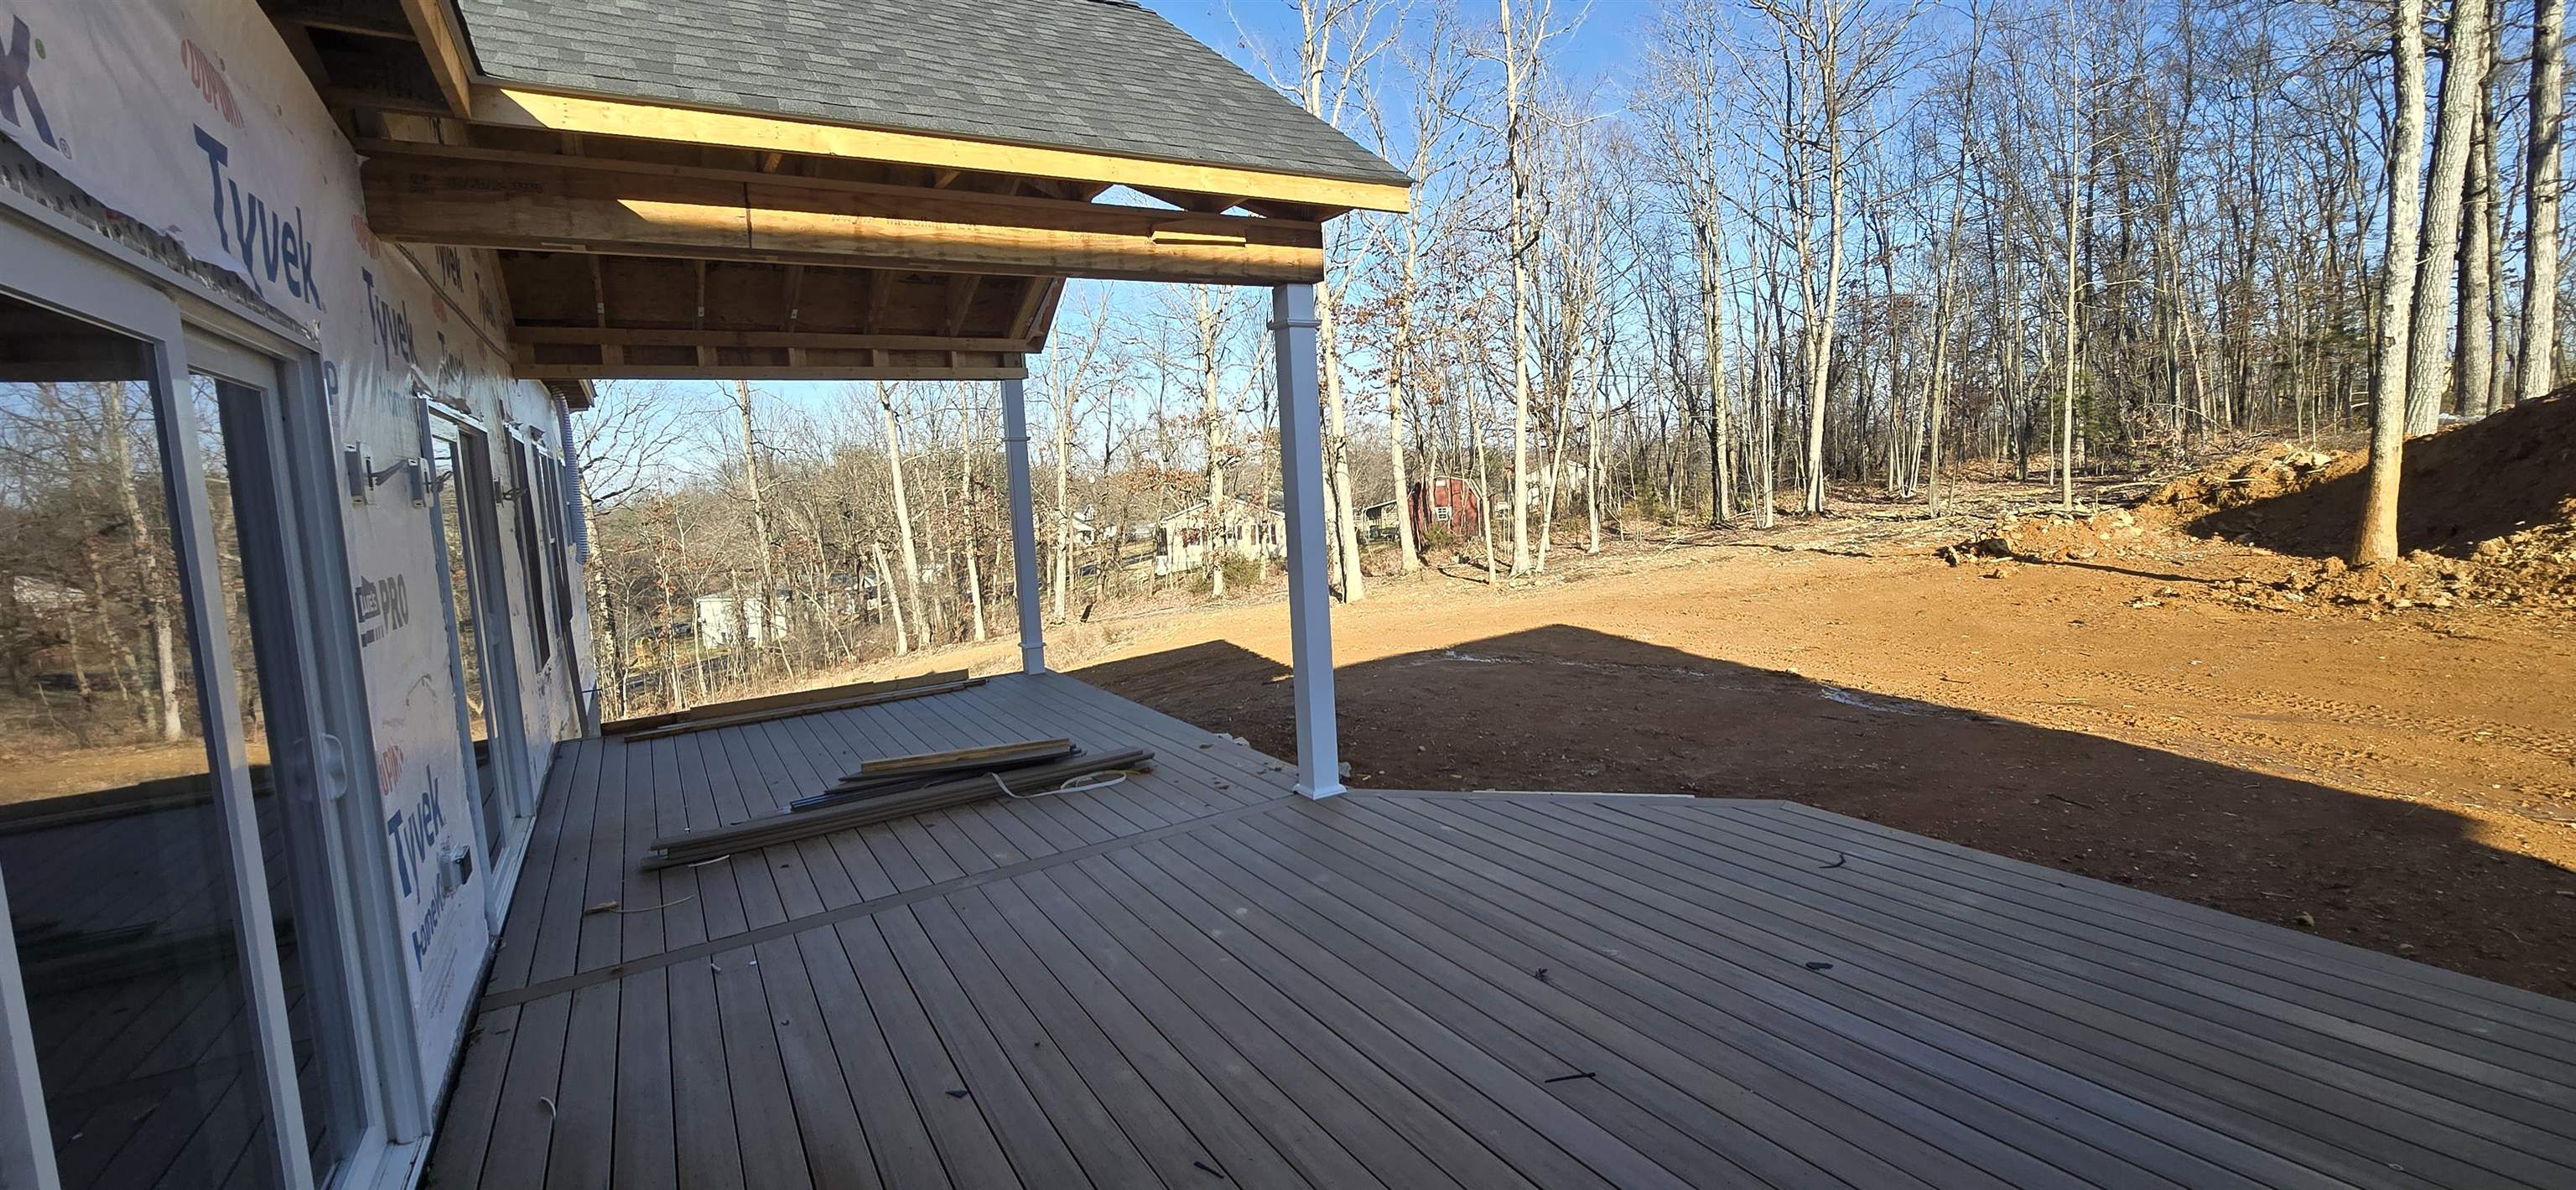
(585, 336)
(442, 41)
(494, 199)
(1017, 369)
(524, 108)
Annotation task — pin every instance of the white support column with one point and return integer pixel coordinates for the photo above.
(1301, 480)
(1024, 530)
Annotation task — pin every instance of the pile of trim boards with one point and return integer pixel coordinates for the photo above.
(900, 786)
(784, 706)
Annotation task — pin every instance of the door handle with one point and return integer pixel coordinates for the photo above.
(334, 759)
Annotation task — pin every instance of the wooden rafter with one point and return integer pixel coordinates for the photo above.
(795, 289)
(961, 302)
(433, 24)
(501, 199)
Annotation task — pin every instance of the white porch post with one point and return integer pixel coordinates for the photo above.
(1301, 477)
(1024, 530)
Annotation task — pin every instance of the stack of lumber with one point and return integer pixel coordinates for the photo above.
(781, 706)
(895, 774)
(951, 789)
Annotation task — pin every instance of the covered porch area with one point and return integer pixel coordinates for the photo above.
(1200, 978)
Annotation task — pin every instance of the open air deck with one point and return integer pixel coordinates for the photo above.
(1198, 979)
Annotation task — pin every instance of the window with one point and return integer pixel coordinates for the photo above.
(532, 546)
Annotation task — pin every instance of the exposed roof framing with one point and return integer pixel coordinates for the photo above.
(499, 198)
(396, 55)
(820, 188)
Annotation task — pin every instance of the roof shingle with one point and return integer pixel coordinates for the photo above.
(1102, 75)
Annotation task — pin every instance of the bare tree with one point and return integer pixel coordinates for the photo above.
(2429, 358)
(2537, 367)
(2377, 537)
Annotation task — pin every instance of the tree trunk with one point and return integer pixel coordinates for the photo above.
(1522, 239)
(2376, 537)
(752, 481)
(2428, 363)
(2537, 371)
(902, 509)
(1337, 457)
(2477, 255)
(889, 601)
(1063, 502)
(1408, 550)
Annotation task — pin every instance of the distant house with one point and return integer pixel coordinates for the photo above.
(1251, 530)
(1377, 521)
(1448, 502)
(719, 616)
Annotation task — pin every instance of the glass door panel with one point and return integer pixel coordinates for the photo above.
(236, 426)
(469, 530)
(114, 840)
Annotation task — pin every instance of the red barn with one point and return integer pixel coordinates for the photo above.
(1447, 502)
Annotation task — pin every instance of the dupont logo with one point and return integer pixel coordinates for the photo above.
(207, 76)
(18, 84)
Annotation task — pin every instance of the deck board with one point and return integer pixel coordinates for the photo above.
(1197, 976)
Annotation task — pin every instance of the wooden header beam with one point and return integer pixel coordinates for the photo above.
(489, 198)
(625, 371)
(519, 107)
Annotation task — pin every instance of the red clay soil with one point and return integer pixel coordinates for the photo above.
(2402, 779)
(2465, 486)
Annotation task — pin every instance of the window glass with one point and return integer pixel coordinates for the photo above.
(113, 841)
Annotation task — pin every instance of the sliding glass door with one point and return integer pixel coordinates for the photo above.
(462, 491)
(179, 1005)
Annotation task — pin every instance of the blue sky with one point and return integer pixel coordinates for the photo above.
(1598, 45)
(1596, 48)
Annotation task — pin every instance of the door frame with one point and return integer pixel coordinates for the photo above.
(310, 612)
(495, 641)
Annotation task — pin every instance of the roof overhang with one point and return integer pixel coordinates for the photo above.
(644, 240)
(1319, 197)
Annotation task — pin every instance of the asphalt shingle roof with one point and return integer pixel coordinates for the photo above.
(1102, 75)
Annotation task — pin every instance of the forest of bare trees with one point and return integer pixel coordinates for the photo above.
(1736, 261)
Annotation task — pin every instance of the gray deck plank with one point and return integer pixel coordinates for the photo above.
(551, 840)
(645, 1151)
(1827, 1020)
(2173, 987)
(586, 1107)
(826, 1117)
(897, 1138)
(2123, 1117)
(764, 1112)
(601, 938)
(1197, 978)
(1882, 1105)
(1130, 1064)
(2209, 1054)
(702, 1102)
(523, 1126)
(2317, 964)
(1145, 1016)
(465, 1127)
(1440, 971)
(1110, 1142)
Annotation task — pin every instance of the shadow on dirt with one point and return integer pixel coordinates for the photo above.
(2486, 479)
(1566, 708)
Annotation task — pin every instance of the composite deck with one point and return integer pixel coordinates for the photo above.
(1198, 979)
